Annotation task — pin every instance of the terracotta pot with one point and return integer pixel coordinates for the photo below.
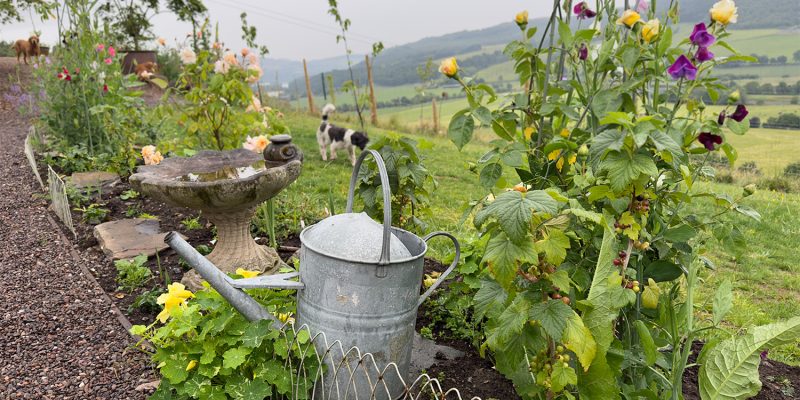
(135, 57)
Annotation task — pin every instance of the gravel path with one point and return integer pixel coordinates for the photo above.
(59, 338)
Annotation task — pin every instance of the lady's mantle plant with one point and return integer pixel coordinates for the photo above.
(592, 260)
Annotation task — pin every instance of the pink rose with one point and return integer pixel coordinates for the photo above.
(108, 61)
(111, 51)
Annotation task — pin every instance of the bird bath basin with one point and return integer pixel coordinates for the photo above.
(226, 186)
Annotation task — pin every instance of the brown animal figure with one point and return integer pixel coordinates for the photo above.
(27, 48)
(145, 70)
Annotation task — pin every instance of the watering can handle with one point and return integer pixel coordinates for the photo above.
(387, 197)
(449, 269)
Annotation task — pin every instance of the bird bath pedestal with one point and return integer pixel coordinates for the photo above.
(227, 186)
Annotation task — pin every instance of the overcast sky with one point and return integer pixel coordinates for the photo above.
(302, 28)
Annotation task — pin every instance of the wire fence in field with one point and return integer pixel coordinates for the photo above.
(59, 199)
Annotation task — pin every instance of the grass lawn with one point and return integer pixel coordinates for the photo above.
(766, 275)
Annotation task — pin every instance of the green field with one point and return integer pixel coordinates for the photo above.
(766, 275)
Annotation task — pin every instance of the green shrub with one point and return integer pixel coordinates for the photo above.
(206, 349)
(749, 167)
(132, 273)
(93, 214)
(778, 184)
(411, 183)
(792, 170)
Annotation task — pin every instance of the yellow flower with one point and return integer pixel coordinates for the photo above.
(176, 296)
(521, 19)
(155, 159)
(573, 158)
(553, 155)
(528, 133)
(560, 163)
(629, 18)
(564, 133)
(431, 278)
(449, 67)
(650, 30)
(724, 12)
(191, 365)
(246, 273)
(286, 318)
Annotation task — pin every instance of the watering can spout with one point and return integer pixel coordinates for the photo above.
(227, 287)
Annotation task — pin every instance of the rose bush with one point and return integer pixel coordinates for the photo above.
(591, 262)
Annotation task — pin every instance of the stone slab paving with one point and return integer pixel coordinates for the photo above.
(59, 336)
(127, 238)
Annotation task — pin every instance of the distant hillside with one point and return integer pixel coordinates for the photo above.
(290, 70)
(397, 65)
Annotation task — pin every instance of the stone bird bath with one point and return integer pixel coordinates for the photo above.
(226, 186)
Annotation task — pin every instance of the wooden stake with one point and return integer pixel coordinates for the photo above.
(435, 117)
(373, 105)
(311, 108)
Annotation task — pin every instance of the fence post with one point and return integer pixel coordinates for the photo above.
(435, 116)
(373, 106)
(311, 109)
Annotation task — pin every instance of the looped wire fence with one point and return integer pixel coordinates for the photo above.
(29, 154)
(328, 371)
(59, 199)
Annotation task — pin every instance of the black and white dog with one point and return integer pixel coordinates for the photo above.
(334, 137)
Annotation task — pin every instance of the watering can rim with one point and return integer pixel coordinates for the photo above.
(304, 243)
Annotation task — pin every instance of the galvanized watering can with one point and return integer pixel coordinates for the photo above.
(359, 285)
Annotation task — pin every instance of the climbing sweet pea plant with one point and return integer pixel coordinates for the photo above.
(592, 260)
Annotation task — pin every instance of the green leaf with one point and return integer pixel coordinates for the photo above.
(553, 315)
(665, 41)
(249, 390)
(739, 128)
(747, 211)
(255, 332)
(565, 33)
(561, 376)
(560, 279)
(483, 115)
(490, 174)
(681, 233)
(554, 245)
(579, 339)
(723, 301)
(234, 357)
(611, 140)
(174, 368)
(664, 142)
(618, 118)
(510, 322)
(662, 271)
(729, 371)
(646, 340)
(504, 255)
(460, 129)
(513, 210)
(623, 170)
(489, 299)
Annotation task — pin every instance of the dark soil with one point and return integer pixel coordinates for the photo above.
(779, 381)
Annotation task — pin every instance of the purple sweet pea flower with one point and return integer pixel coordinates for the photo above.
(708, 140)
(764, 354)
(682, 68)
(703, 55)
(701, 37)
(583, 52)
(582, 11)
(740, 113)
(721, 118)
(642, 6)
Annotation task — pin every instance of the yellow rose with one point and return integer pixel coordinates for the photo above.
(521, 19)
(629, 18)
(724, 12)
(449, 67)
(650, 30)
